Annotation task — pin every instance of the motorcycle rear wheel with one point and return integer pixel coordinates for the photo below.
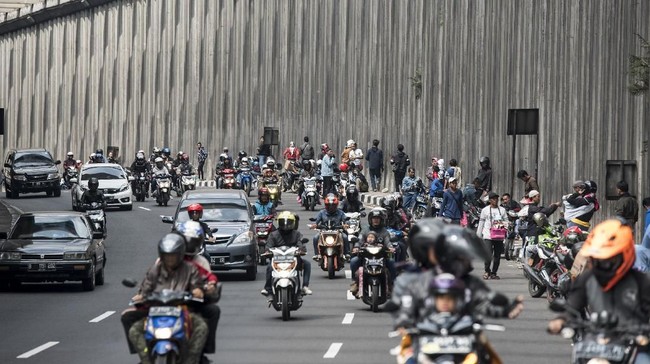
(284, 298)
(535, 290)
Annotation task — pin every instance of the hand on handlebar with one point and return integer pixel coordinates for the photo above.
(197, 293)
(210, 287)
(518, 306)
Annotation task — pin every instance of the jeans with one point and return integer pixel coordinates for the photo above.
(409, 200)
(356, 262)
(327, 185)
(200, 170)
(346, 247)
(375, 177)
(306, 274)
(261, 159)
(399, 177)
(496, 248)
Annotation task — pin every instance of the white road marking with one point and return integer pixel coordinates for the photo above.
(348, 274)
(332, 351)
(39, 349)
(347, 320)
(350, 296)
(144, 208)
(102, 316)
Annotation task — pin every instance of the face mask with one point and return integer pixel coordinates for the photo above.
(605, 270)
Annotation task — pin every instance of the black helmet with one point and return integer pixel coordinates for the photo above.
(389, 202)
(242, 154)
(592, 186)
(352, 193)
(139, 156)
(423, 236)
(99, 151)
(484, 160)
(377, 212)
(166, 151)
(93, 184)
(306, 165)
(172, 243)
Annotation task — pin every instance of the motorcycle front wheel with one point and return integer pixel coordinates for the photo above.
(331, 271)
(375, 298)
(535, 290)
(284, 299)
(419, 212)
(169, 358)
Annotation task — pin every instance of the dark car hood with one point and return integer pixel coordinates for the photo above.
(44, 246)
(35, 170)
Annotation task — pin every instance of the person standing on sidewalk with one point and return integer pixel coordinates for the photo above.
(530, 181)
(400, 161)
(646, 206)
(485, 174)
(202, 156)
(626, 207)
(327, 171)
(375, 158)
(491, 228)
(452, 202)
(306, 150)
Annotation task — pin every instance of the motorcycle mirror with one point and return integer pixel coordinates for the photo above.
(57, 162)
(363, 214)
(312, 219)
(558, 305)
(131, 178)
(73, 180)
(214, 230)
(7, 165)
(129, 282)
(167, 219)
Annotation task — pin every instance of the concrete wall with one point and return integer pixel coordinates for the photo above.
(173, 72)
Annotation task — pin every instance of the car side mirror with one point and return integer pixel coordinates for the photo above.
(167, 219)
(131, 178)
(57, 162)
(98, 235)
(3, 235)
(7, 165)
(73, 180)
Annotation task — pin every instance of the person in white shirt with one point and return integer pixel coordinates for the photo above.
(492, 228)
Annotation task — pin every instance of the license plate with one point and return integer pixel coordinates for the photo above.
(218, 260)
(591, 350)
(446, 344)
(165, 311)
(42, 267)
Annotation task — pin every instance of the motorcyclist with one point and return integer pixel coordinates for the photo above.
(155, 153)
(307, 172)
(141, 165)
(331, 213)
(263, 206)
(533, 208)
(398, 219)
(99, 156)
(93, 194)
(351, 202)
(543, 229)
(225, 163)
(611, 284)
(194, 235)
(171, 272)
(112, 159)
(243, 163)
(225, 155)
(91, 158)
(287, 235)
(166, 154)
(69, 161)
(159, 170)
(240, 157)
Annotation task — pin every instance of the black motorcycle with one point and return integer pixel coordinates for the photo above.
(373, 279)
(140, 186)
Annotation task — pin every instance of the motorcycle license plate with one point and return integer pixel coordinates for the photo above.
(218, 260)
(592, 350)
(446, 344)
(42, 267)
(165, 311)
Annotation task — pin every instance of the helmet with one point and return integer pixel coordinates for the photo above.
(270, 163)
(172, 243)
(331, 202)
(344, 167)
(446, 283)
(93, 184)
(377, 212)
(398, 199)
(99, 151)
(195, 211)
(422, 237)
(70, 154)
(140, 151)
(242, 154)
(324, 146)
(140, 156)
(306, 165)
(352, 193)
(580, 184)
(263, 191)
(166, 151)
(158, 160)
(186, 157)
(592, 186)
(389, 202)
(573, 234)
(350, 143)
(540, 219)
(286, 221)
(179, 154)
(225, 149)
(156, 150)
(193, 233)
(227, 159)
(91, 156)
(245, 160)
(484, 160)
(611, 247)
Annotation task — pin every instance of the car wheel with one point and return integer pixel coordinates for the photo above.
(14, 284)
(57, 192)
(49, 193)
(251, 273)
(14, 194)
(88, 284)
(99, 277)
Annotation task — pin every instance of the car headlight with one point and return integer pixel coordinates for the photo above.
(54, 175)
(9, 256)
(75, 255)
(20, 177)
(124, 188)
(243, 239)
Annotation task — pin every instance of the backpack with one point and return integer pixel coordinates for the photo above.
(401, 162)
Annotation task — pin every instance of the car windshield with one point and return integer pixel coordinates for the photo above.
(218, 213)
(50, 227)
(102, 173)
(33, 159)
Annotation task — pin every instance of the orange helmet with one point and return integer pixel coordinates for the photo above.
(331, 202)
(609, 240)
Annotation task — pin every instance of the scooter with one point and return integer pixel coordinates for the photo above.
(163, 186)
(245, 180)
(353, 223)
(263, 227)
(287, 295)
(98, 217)
(421, 205)
(228, 178)
(330, 248)
(373, 280)
(188, 182)
(70, 173)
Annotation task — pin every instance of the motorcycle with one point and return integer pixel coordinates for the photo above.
(98, 217)
(245, 180)
(396, 237)
(600, 338)
(140, 186)
(290, 179)
(227, 178)
(310, 195)
(263, 227)
(286, 294)
(330, 248)
(353, 223)
(373, 280)
(274, 190)
(163, 186)
(421, 204)
(70, 172)
(509, 244)
(187, 182)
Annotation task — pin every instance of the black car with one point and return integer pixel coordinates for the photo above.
(31, 170)
(230, 213)
(52, 247)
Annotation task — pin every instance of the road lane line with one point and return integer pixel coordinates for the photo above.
(102, 316)
(39, 349)
(350, 296)
(348, 274)
(347, 320)
(144, 208)
(332, 351)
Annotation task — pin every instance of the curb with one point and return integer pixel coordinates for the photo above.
(207, 183)
(371, 199)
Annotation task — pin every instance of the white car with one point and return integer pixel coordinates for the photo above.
(113, 182)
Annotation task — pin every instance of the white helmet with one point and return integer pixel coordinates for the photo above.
(244, 160)
(70, 154)
(350, 143)
(270, 159)
(140, 151)
(158, 160)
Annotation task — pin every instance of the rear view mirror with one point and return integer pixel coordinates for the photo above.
(57, 162)
(312, 219)
(167, 219)
(7, 165)
(363, 214)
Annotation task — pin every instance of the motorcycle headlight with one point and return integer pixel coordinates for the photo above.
(124, 188)
(75, 256)
(163, 333)
(329, 240)
(55, 175)
(20, 177)
(9, 256)
(243, 239)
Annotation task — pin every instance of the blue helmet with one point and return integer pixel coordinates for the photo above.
(193, 233)
(166, 151)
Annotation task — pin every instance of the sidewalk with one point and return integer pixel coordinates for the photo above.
(372, 198)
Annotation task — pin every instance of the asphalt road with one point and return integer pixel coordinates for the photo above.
(68, 325)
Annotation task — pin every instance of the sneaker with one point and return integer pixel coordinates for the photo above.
(264, 292)
(316, 257)
(354, 288)
(306, 290)
(346, 257)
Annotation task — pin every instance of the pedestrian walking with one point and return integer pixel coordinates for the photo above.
(375, 158)
(306, 150)
(626, 207)
(202, 156)
(530, 181)
(485, 174)
(452, 202)
(492, 228)
(263, 151)
(400, 161)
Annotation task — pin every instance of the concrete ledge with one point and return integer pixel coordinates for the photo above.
(372, 198)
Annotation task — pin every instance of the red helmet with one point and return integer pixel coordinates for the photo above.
(263, 191)
(344, 167)
(195, 211)
(331, 202)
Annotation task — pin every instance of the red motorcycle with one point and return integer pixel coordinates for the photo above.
(263, 227)
(228, 178)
